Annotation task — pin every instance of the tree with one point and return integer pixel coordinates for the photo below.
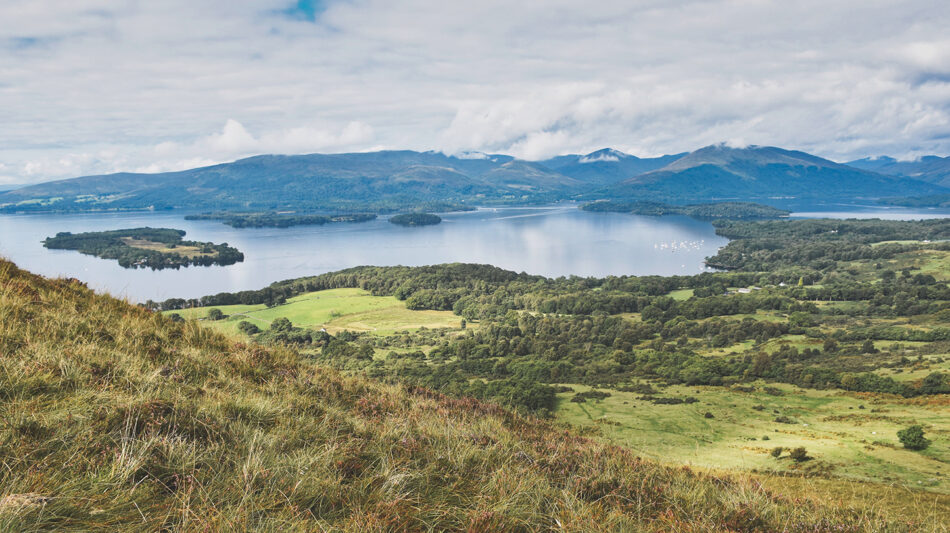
(868, 347)
(215, 314)
(799, 454)
(463, 323)
(913, 438)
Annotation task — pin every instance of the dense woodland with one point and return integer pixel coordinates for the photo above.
(533, 332)
(162, 253)
(278, 220)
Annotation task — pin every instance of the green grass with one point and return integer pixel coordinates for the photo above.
(116, 418)
(830, 424)
(335, 310)
(681, 294)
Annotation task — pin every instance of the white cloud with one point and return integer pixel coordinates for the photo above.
(93, 86)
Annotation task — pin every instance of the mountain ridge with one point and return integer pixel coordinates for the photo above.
(723, 172)
(929, 168)
(405, 179)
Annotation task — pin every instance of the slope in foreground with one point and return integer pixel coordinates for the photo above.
(118, 418)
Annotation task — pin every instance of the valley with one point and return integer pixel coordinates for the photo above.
(700, 370)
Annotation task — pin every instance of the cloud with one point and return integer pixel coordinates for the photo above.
(91, 86)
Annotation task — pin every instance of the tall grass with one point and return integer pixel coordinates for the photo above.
(115, 418)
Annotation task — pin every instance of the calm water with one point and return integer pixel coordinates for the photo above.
(552, 241)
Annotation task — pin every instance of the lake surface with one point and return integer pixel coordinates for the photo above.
(551, 241)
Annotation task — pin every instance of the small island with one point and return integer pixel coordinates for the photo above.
(155, 248)
(278, 220)
(416, 219)
(729, 210)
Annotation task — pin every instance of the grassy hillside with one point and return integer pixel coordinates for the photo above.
(118, 418)
(848, 436)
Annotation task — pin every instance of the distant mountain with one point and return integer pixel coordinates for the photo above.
(719, 172)
(931, 168)
(389, 179)
(606, 166)
(404, 180)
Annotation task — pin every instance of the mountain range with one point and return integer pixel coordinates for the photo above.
(394, 180)
(931, 168)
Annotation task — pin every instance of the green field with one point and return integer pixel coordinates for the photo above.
(844, 439)
(681, 294)
(334, 310)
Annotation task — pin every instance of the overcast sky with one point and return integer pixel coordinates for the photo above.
(94, 86)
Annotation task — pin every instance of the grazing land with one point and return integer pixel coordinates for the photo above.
(333, 310)
(850, 436)
(155, 248)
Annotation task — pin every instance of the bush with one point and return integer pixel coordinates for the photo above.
(799, 454)
(709, 415)
(247, 328)
(215, 314)
(913, 438)
(582, 397)
(784, 420)
(777, 451)
(281, 324)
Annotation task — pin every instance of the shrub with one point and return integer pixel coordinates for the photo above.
(281, 324)
(247, 328)
(215, 314)
(799, 454)
(709, 415)
(784, 420)
(777, 451)
(582, 397)
(913, 438)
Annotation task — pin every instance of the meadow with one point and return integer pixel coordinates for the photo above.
(849, 436)
(334, 310)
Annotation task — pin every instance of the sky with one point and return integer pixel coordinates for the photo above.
(99, 86)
